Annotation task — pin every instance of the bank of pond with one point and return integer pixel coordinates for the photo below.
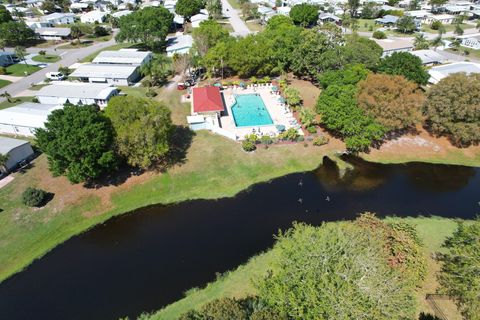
(144, 261)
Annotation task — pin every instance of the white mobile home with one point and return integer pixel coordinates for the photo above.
(59, 18)
(55, 34)
(440, 72)
(25, 118)
(16, 150)
(94, 17)
(119, 74)
(131, 57)
(179, 44)
(390, 46)
(77, 93)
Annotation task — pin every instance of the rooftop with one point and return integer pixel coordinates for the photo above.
(428, 56)
(394, 44)
(207, 99)
(8, 144)
(179, 42)
(118, 71)
(27, 114)
(440, 72)
(77, 90)
(134, 57)
(62, 32)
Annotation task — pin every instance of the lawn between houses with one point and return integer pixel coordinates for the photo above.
(238, 283)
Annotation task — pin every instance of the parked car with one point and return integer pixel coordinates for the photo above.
(55, 76)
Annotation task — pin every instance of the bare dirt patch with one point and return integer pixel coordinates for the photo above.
(308, 92)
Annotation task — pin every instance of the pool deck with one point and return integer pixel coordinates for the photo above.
(279, 112)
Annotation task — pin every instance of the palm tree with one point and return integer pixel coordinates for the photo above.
(20, 53)
(7, 96)
(437, 42)
(420, 42)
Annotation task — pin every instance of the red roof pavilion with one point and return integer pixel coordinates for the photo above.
(207, 99)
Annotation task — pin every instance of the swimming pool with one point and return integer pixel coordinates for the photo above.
(249, 110)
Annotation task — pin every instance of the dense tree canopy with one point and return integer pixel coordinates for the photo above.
(214, 8)
(304, 14)
(393, 101)
(188, 8)
(5, 15)
(459, 276)
(16, 33)
(452, 108)
(360, 50)
(406, 24)
(208, 34)
(149, 26)
(341, 271)
(404, 64)
(78, 142)
(142, 129)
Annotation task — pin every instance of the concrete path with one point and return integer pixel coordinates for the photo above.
(69, 56)
(10, 78)
(238, 25)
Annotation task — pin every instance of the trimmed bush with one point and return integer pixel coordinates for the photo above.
(266, 140)
(248, 145)
(379, 35)
(33, 197)
(320, 141)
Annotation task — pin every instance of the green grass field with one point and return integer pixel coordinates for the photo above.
(21, 69)
(234, 4)
(48, 58)
(238, 283)
(4, 83)
(14, 102)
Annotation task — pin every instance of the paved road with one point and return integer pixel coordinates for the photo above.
(69, 57)
(239, 26)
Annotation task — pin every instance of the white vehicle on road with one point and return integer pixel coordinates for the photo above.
(55, 76)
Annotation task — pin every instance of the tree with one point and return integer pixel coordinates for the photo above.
(3, 44)
(461, 267)
(78, 143)
(249, 10)
(360, 50)
(277, 21)
(292, 96)
(406, 24)
(76, 32)
(142, 130)
(420, 42)
(33, 197)
(157, 69)
(392, 101)
(350, 75)
(188, 8)
(304, 14)
(149, 26)
(16, 33)
(437, 42)
(404, 64)
(214, 8)
(436, 4)
(458, 30)
(452, 106)
(370, 10)
(207, 35)
(99, 31)
(414, 5)
(353, 6)
(3, 161)
(379, 35)
(336, 271)
(5, 15)
(7, 96)
(20, 52)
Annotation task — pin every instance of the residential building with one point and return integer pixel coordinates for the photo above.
(180, 44)
(443, 18)
(387, 20)
(55, 34)
(80, 6)
(94, 17)
(8, 58)
(25, 118)
(118, 74)
(198, 18)
(325, 17)
(131, 57)
(390, 46)
(76, 93)
(471, 41)
(121, 13)
(59, 18)
(17, 151)
(440, 72)
(429, 57)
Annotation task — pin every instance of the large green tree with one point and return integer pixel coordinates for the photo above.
(337, 271)
(406, 24)
(16, 33)
(78, 142)
(304, 14)
(360, 50)
(404, 64)
(207, 35)
(452, 108)
(214, 8)
(188, 8)
(460, 273)
(393, 101)
(142, 130)
(5, 15)
(149, 26)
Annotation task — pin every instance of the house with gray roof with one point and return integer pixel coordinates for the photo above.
(118, 74)
(131, 57)
(440, 72)
(17, 151)
(55, 34)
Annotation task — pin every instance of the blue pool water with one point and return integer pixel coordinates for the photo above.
(249, 110)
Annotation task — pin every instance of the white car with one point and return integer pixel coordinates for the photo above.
(55, 76)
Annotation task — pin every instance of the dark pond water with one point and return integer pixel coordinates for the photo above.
(143, 261)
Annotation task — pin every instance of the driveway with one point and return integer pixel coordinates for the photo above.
(69, 57)
(239, 26)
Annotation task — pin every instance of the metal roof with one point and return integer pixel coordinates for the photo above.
(27, 114)
(428, 56)
(133, 57)
(77, 90)
(440, 72)
(62, 32)
(179, 42)
(110, 71)
(8, 144)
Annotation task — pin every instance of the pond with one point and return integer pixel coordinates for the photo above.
(145, 260)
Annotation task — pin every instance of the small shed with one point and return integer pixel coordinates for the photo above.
(17, 151)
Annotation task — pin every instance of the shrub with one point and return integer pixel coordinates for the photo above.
(150, 93)
(290, 135)
(312, 129)
(100, 31)
(248, 145)
(33, 197)
(320, 141)
(436, 25)
(3, 70)
(266, 140)
(35, 100)
(379, 35)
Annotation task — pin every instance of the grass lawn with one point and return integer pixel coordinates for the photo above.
(27, 234)
(471, 52)
(37, 87)
(21, 69)
(255, 26)
(4, 83)
(234, 4)
(238, 283)
(448, 27)
(131, 91)
(367, 25)
(75, 45)
(48, 58)
(15, 101)
(114, 47)
(227, 26)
